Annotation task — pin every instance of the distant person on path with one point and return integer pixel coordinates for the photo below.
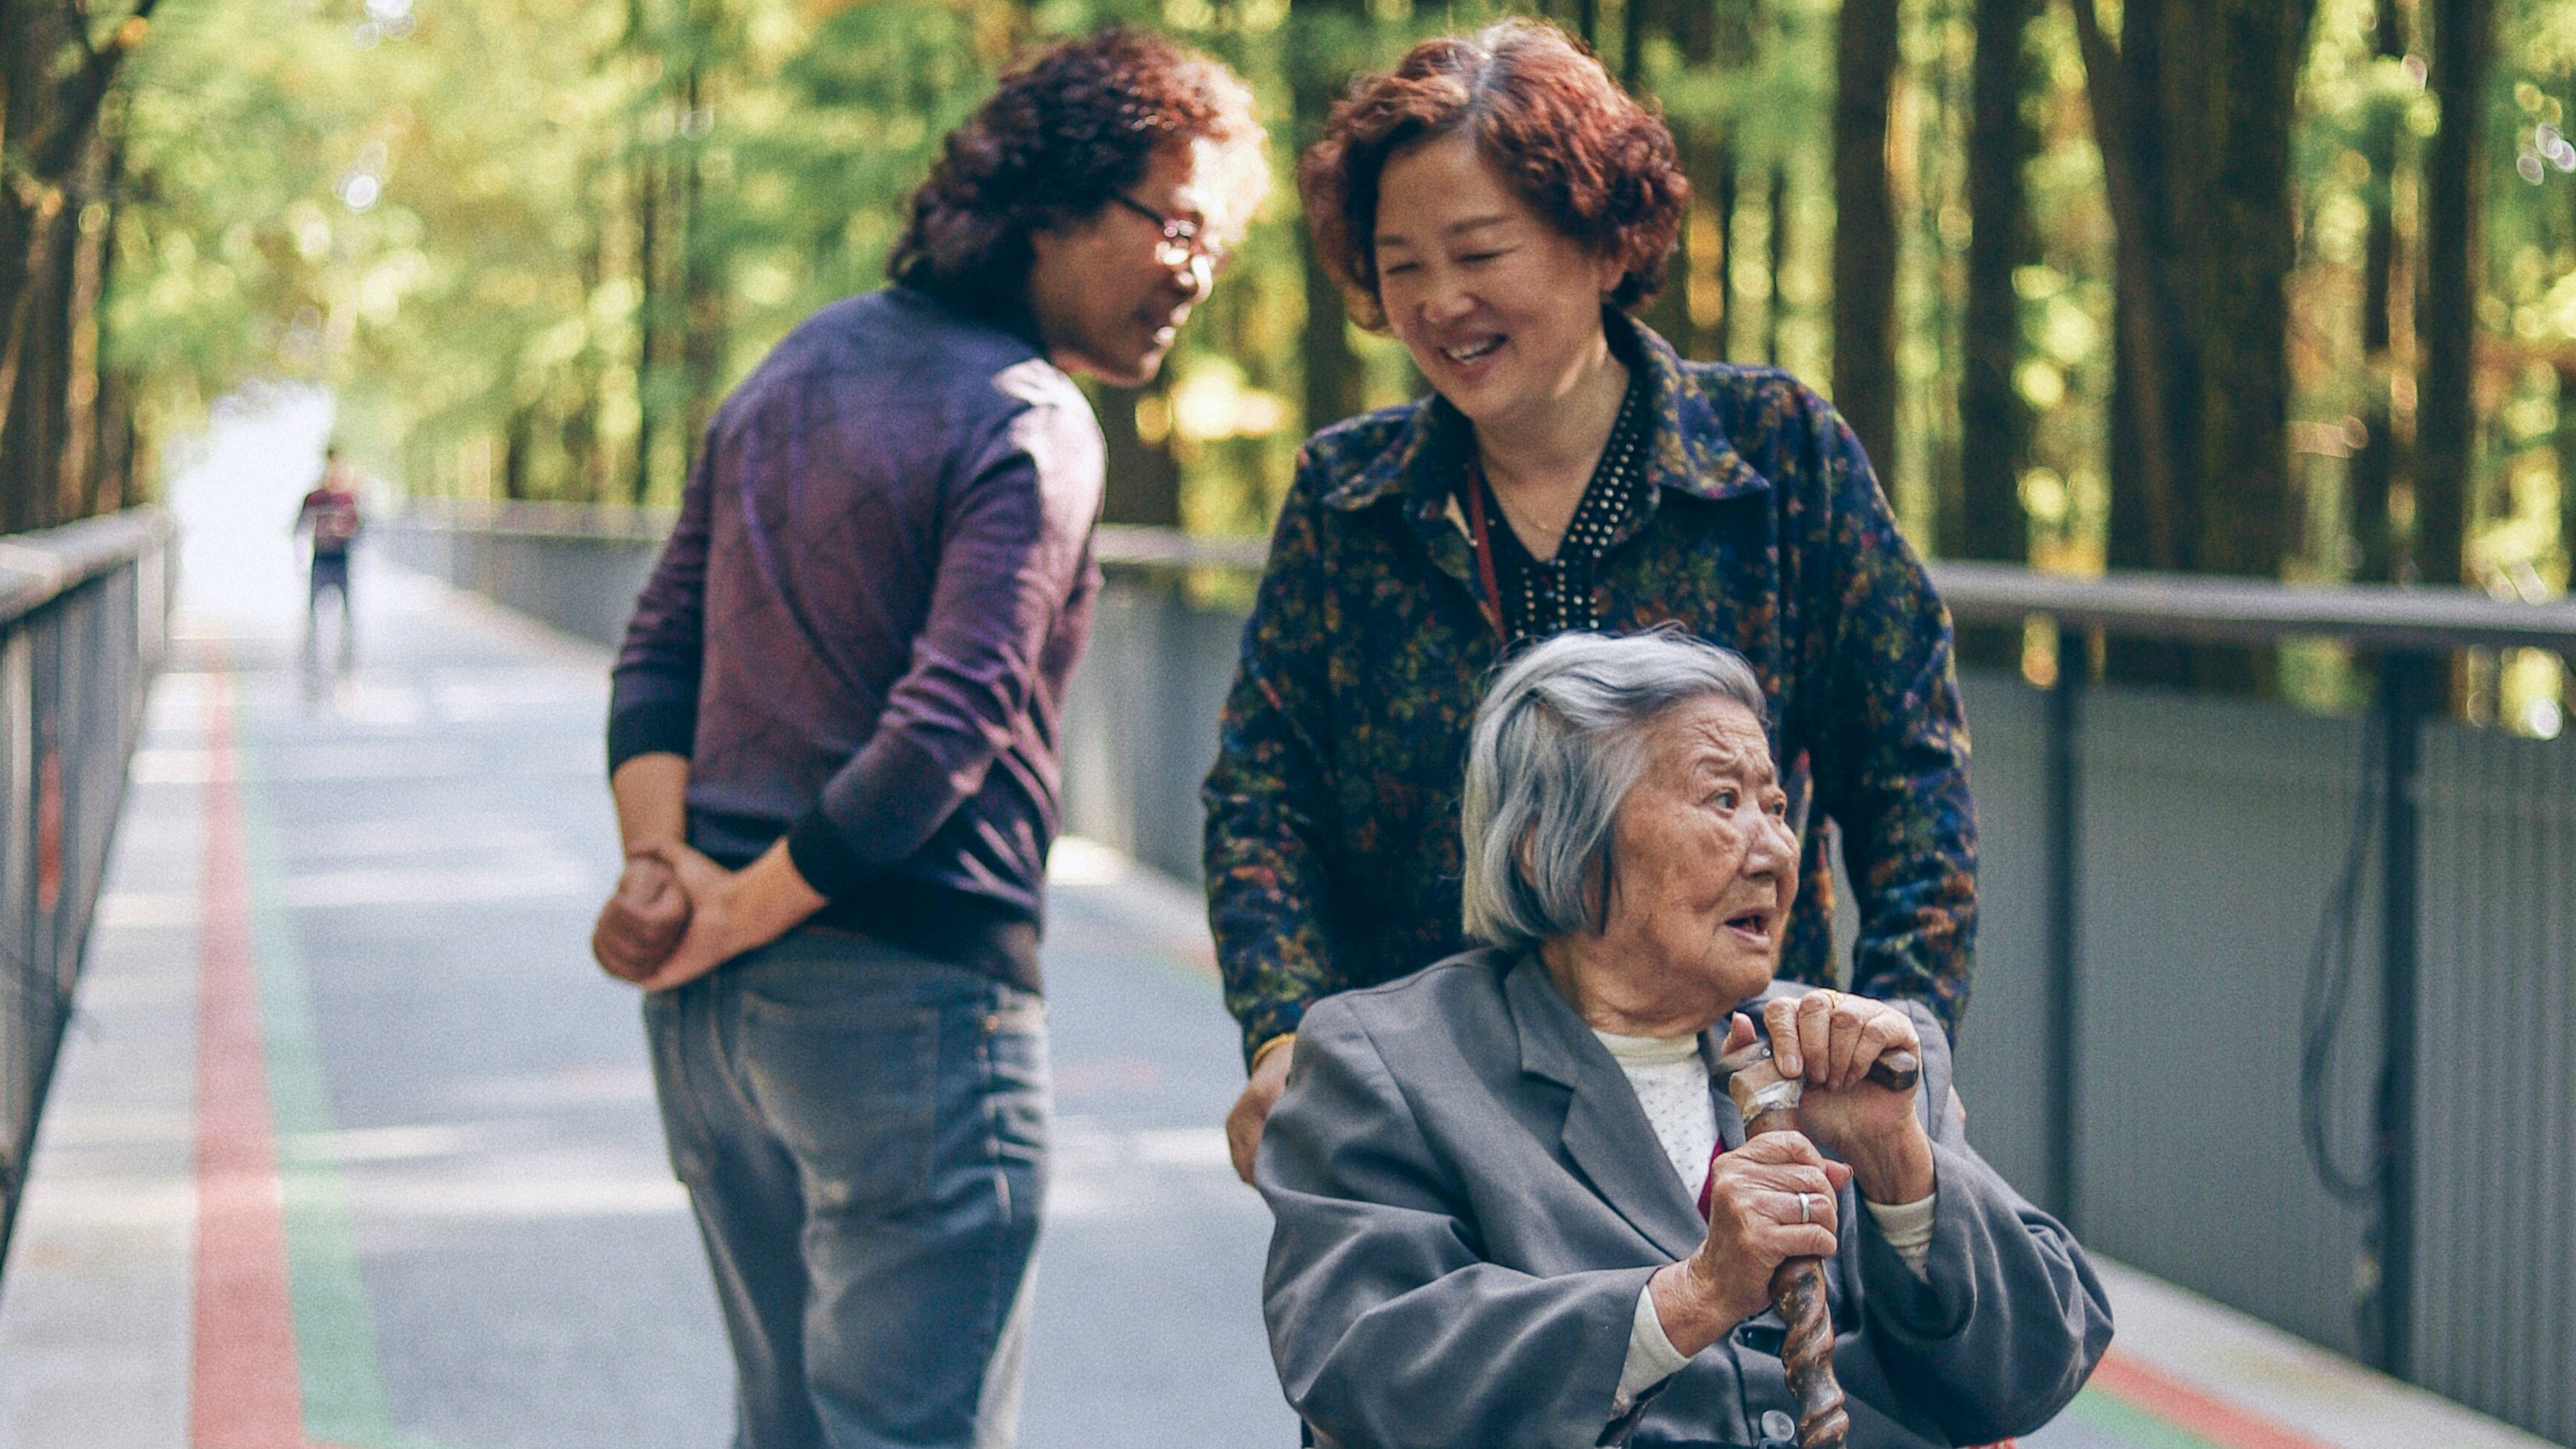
(1502, 207)
(835, 720)
(330, 515)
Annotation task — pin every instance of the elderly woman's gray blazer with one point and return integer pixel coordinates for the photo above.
(1468, 1201)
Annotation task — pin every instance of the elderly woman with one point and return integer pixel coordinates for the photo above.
(1484, 1174)
(1501, 206)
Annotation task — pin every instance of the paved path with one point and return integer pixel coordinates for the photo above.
(453, 1205)
(352, 1146)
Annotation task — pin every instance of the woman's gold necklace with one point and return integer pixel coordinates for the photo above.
(1528, 527)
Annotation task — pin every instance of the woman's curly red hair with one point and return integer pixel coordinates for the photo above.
(1063, 133)
(1568, 140)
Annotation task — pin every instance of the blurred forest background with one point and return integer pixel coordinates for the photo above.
(2271, 288)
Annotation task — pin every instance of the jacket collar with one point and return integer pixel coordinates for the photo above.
(1006, 310)
(1605, 1132)
(1688, 450)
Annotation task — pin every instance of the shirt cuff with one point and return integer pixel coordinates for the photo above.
(1651, 1356)
(816, 849)
(654, 728)
(1907, 1227)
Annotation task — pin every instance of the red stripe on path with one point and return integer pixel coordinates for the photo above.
(244, 1394)
(2192, 1409)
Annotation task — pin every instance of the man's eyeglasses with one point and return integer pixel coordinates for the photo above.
(1183, 241)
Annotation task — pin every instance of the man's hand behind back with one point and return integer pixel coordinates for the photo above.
(643, 922)
(730, 911)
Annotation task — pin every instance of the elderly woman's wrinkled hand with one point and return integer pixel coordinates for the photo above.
(1829, 1039)
(1770, 1200)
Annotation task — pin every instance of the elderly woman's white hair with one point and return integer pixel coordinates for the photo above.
(1558, 743)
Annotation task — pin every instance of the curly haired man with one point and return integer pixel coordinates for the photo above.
(834, 721)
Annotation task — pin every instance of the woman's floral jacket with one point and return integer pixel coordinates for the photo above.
(1332, 813)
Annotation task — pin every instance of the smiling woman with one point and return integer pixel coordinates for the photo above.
(1580, 156)
(1500, 205)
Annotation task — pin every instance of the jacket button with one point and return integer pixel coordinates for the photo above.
(1778, 1425)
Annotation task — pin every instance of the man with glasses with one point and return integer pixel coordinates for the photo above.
(1182, 244)
(834, 725)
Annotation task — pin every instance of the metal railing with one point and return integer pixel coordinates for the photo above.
(83, 626)
(2272, 1004)
(2444, 852)
(574, 567)
(2213, 932)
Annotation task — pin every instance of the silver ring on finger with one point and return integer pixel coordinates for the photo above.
(1805, 1213)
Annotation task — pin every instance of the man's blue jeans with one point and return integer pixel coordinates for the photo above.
(863, 1134)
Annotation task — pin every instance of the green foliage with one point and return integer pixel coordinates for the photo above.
(530, 243)
(500, 231)
(402, 218)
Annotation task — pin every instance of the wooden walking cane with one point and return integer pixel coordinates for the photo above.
(1768, 1102)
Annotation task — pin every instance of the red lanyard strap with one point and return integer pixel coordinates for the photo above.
(1485, 552)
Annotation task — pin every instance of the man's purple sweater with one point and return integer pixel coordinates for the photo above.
(862, 627)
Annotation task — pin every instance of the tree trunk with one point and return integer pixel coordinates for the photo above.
(31, 450)
(1324, 31)
(54, 88)
(1775, 310)
(517, 440)
(1668, 312)
(1144, 484)
(2378, 463)
(1864, 382)
(648, 324)
(1335, 386)
(2454, 193)
(1695, 324)
(2567, 475)
(1722, 33)
(1994, 422)
(586, 452)
(2193, 113)
(1719, 340)
(114, 446)
(704, 323)
(27, 47)
(76, 466)
(1637, 19)
(94, 228)
(30, 37)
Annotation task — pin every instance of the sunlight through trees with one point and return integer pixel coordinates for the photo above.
(2281, 288)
